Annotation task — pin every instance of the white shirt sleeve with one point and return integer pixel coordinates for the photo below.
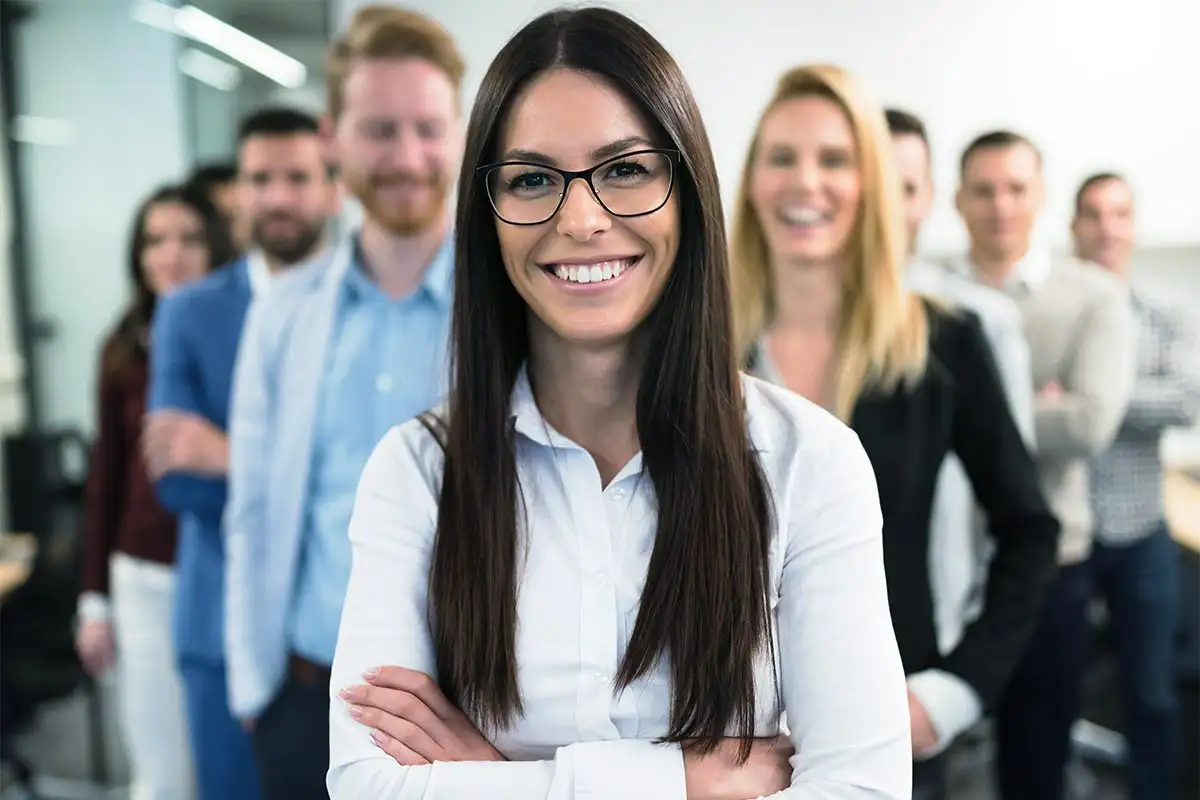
(384, 622)
(244, 519)
(841, 674)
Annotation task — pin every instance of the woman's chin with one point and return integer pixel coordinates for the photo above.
(589, 334)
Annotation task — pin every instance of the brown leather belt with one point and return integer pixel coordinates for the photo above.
(307, 673)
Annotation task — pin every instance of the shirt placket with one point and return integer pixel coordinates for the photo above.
(386, 346)
(597, 602)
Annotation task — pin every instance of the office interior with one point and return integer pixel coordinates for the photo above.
(105, 99)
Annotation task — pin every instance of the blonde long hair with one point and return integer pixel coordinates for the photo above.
(883, 336)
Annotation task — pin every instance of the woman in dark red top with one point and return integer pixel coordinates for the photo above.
(177, 237)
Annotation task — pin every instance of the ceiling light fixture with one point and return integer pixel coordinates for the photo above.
(206, 29)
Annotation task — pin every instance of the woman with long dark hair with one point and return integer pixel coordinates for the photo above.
(610, 562)
(128, 538)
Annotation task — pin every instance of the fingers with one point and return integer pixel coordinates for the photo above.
(96, 662)
(415, 683)
(155, 467)
(156, 431)
(400, 752)
(389, 728)
(96, 649)
(399, 704)
(155, 444)
(162, 417)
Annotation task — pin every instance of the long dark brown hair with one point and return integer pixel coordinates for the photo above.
(127, 345)
(704, 606)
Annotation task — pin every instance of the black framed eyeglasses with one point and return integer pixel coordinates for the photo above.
(629, 185)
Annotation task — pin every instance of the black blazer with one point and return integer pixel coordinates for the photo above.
(959, 406)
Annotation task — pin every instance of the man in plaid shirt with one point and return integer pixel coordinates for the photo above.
(1135, 562)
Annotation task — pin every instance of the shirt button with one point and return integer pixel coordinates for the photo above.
(383, 383)
(601, 676)
(601, 579)
(618, 493)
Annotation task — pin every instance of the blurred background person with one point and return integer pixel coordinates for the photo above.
(1082, 341)
(336, 354)
(218, 180)
(286, 192)
(960, 545)
(1135, 563)
(128, 538)
(817, 256)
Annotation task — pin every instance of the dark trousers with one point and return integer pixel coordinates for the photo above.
(225, 768)
(1140, 586)
(929, 779)
(1041, 703)
(291, 738)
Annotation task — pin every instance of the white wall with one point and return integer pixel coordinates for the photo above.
(211, 120)
(1097, 84)
(113, 88)
(213, 115)
(1094, 82)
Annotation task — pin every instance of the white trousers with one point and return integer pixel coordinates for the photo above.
(150, 693)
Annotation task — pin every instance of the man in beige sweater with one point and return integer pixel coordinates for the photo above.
(1082, 340)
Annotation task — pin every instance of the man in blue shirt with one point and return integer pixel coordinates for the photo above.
(286, 197)
(340, 352)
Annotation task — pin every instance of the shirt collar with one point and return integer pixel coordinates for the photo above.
(437, 283)
(258, 272)
(439, 278)
(1033, 269)
(1028, 274)
(528, 420)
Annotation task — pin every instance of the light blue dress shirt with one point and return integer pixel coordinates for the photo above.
(387, 363)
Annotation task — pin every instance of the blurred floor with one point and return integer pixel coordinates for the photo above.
(58, 749)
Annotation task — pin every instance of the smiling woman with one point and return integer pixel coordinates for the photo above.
(817, 259)
(610, 562)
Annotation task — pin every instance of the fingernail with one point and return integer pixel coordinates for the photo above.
(356, 711)
(379, 736)
(346, 693)
(371, 673)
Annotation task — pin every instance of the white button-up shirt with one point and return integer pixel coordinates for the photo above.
(259, 272)
(587, 549)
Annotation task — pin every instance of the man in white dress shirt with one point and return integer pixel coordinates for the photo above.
(959, 545)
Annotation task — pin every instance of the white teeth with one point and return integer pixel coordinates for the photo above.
(592, 273)
(801, 216)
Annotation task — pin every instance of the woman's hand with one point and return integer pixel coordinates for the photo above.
(96, 646)
(718, 776)
(413, 722)
(924, 735)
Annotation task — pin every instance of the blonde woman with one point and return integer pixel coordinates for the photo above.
(817, 251)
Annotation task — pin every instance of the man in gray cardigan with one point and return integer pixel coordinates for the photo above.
(1082, 339)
